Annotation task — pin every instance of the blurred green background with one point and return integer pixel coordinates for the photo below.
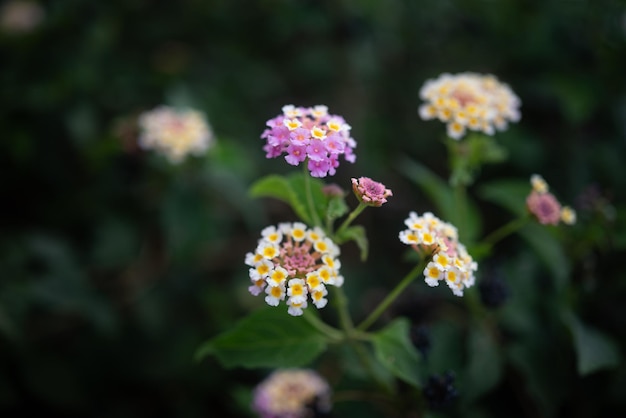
(115, 265)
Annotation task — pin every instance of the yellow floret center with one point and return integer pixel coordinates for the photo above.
(297, 289)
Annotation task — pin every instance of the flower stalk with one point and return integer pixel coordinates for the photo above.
(392, 296)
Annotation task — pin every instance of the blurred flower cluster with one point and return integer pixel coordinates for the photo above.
(175, 133)
(292, 393)
(469, 101)
(545, 207)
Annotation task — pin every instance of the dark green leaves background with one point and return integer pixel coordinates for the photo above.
(116, 266)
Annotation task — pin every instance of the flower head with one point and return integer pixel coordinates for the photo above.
(175, 133)
(20, 16)
(295, 263)
(370, 192)
(450, 260)
(309, 133)
(568, 215)
(292, 393)
(469, 101)
(545, 207)
(539, 184)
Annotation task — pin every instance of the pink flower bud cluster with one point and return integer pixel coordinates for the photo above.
(370, 192)
(545, 207)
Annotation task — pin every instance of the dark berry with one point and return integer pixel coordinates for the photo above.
(420, 337)
(439, 391)
(494, 291)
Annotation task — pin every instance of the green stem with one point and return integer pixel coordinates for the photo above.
(391, 297)
(309, 197)
(351, 217)
(505, 230)
(460, 196)
(342, 309)
(353, 335)
(333, 334)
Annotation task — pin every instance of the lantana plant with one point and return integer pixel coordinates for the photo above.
(297, 268)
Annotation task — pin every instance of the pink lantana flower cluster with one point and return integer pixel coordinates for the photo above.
(469, 101)
(292, 393)
(430, 236)
(370, 192)
(294, 262)
(545, 207)
(311, 135)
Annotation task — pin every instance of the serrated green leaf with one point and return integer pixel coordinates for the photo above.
(594, 349)
(280, 188)
(357, 234)
(394, 350)
(269, 337)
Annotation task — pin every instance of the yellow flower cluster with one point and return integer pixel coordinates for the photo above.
(295, 263)
(175, 133)
(450, 260)
(469, 101)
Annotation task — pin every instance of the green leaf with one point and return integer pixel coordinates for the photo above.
(298, 183)
(594, 349)
(280, 188)
(359, 362)
(395, 351)
(357, 234)
(509, 194)
(549, 251)
(293, 191)
(443, 197)
(484, 367)
(269, 337)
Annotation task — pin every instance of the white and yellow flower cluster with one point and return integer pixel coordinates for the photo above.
(469, 101)
(175, 133)
(294, 262)
(430, 236)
